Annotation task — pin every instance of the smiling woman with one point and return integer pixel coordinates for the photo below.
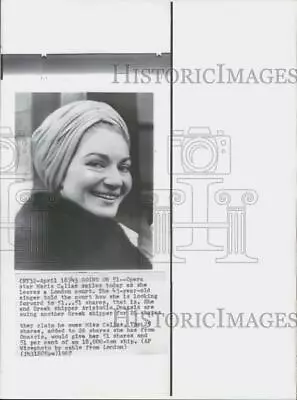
(82, 173)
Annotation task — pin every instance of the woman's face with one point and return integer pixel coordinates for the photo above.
(99, 177)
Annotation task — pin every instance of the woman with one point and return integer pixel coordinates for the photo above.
(81, 162)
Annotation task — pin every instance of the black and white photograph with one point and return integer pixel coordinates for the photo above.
(148, 162)
(87, 200)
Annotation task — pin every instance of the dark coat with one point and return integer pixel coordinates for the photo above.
(53, 233)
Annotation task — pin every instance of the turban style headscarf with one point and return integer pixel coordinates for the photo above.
(55, 141)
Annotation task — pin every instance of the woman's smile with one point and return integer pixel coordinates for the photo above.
(105, 195)
(109, 196)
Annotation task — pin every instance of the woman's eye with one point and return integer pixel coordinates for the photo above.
(125, 167)
(96, 164)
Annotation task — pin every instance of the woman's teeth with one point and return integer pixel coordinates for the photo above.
(105, 195)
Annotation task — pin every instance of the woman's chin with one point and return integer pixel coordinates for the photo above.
(103, 211)
(104, 215)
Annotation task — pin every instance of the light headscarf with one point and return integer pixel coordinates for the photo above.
(55, 141)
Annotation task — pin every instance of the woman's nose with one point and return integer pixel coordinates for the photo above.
(113, 178)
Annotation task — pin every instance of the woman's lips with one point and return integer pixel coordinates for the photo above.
(105, 196)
